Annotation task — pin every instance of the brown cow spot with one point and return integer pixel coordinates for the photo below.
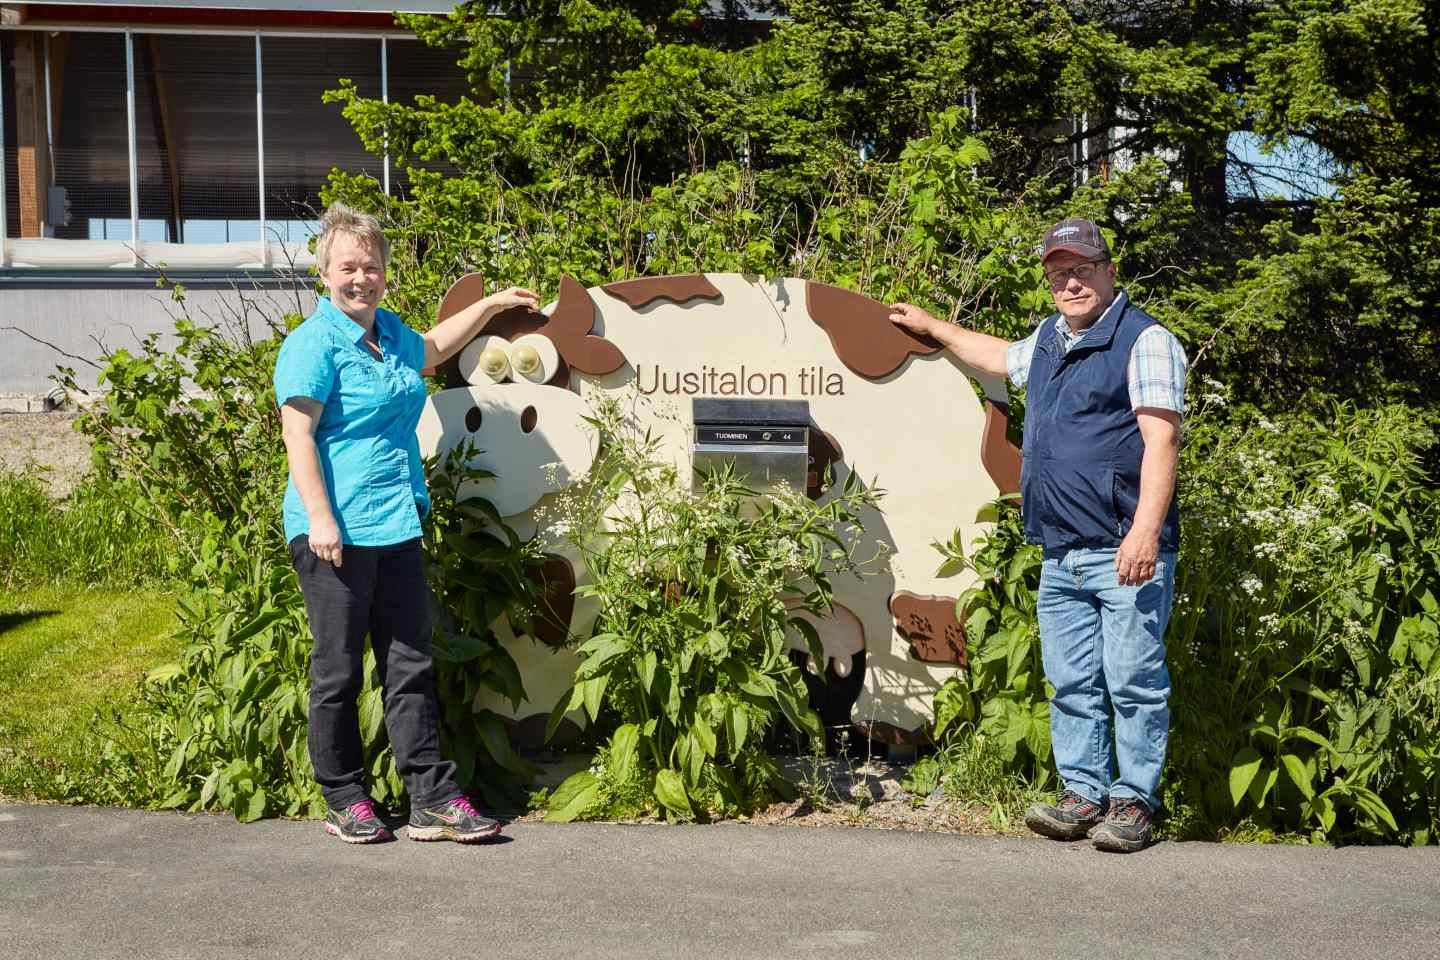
(1000, 458)
(929, 624)
(554, 580)
(861, 332)
(680, 288)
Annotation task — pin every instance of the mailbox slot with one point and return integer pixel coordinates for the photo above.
(768, 441)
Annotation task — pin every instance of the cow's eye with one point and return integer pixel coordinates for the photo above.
(528, 418)
(473, 419)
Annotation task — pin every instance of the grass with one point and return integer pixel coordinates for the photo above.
(92, 536)
(68, 654)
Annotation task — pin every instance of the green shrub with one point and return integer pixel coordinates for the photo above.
(688, 663)
(1304, 644)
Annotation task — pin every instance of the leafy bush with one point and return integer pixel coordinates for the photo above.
(689, 658)
(1304, 645)
(1305, 642)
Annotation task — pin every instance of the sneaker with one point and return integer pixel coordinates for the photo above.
(357, 823)
(1072, 818)
(456, 819)
(1126, 828)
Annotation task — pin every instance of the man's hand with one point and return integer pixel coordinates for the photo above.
(912, 318)
(980, 352)
(325, 540)
(1135, 559)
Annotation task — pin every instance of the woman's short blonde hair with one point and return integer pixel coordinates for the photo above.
(340, 218)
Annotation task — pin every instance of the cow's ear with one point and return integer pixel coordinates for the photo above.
(570, 325)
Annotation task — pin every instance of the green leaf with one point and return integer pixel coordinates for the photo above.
(1367, 800)
(670, 791)
(567, 702)
(624, 751)
(704, 735)
(165, 673)
(252, 807)
(737, 728)
(1310, 736)
(1243, 768)
(494, 737)
(572, 797)
(1263, 784)
(1299, 774)
(600, 656)
(646, 670)
(593, 693)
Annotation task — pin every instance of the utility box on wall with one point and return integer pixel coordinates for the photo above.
(768, 441)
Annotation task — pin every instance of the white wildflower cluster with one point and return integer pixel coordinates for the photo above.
(1268, 425)
(1334, 533)
(1270, 623)
(1215, 392)
(1252, 585)
(1384, 560)
(1268, 550)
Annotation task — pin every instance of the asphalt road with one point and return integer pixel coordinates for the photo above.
(88, 883)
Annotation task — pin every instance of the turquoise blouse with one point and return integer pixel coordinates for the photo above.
(366, 435)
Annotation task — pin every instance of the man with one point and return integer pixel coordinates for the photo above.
(1105, 391)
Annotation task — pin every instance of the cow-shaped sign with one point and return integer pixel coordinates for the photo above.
(890, 406)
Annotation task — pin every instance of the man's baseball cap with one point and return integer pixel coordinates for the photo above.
(1080, 237)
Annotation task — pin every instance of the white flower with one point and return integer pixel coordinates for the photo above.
(1251, 585)
(1383, 560)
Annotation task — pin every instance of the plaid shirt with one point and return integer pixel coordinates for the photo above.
(1156, 374)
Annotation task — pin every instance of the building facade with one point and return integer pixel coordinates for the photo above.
(177, 140)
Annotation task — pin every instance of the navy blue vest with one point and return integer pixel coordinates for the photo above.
(1080, 479)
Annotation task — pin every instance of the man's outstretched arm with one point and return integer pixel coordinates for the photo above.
(978, 351)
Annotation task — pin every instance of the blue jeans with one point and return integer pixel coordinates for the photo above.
(1104, 651)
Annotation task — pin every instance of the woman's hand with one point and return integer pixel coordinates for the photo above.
(325, 540)
(449, 335)
(508, 298)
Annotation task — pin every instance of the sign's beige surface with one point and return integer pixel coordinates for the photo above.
(903, 416)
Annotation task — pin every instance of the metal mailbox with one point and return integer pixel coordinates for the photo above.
(767, 440)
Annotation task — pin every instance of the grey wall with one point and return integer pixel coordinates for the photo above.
(77, 317)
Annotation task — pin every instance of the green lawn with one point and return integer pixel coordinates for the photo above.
(67, 652)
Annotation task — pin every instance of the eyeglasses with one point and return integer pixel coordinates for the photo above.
(1083, 272)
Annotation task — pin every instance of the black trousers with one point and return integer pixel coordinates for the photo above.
(380, 591)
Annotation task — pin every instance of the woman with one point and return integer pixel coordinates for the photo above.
(348, 384)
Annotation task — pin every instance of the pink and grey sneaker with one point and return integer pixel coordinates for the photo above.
(456, 819)
(357, 823)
